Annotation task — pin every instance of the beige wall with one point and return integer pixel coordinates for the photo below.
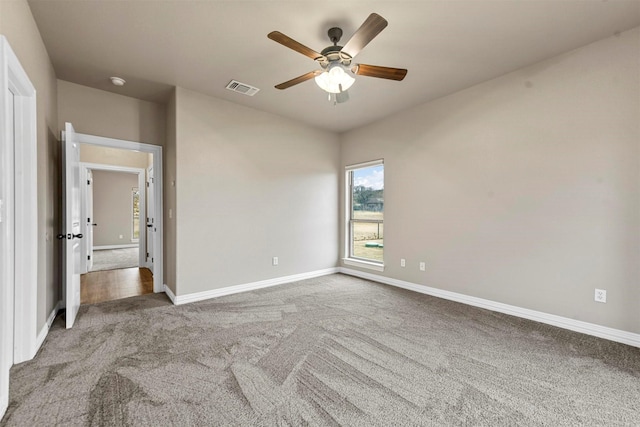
(114, 156)
(18, 26)
(101, 113)
(169, 218)
(524, 189)
(112, 207)
(250, 185)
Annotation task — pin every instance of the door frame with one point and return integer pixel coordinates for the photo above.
(18, 304)
(156, 151)
(84, 166)
(150, 182)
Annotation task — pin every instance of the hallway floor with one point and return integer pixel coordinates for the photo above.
(100, 286)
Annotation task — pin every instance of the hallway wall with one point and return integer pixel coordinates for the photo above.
(112, 207)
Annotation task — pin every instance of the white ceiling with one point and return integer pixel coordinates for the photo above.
(201, 45)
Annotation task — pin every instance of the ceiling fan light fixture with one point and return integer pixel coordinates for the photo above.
(336, 79)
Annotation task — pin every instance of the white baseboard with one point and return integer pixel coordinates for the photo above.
(229, 290)
(45, 329)
(611, 334)
(103, 247)
(170, 294)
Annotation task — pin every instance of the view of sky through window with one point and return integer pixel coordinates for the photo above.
(372, 177)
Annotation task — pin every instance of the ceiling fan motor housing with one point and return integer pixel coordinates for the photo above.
(334, 34)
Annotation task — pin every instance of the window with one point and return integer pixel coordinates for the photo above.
(365, 215)
(135, 214)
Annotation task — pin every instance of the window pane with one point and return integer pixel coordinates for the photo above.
(368, 238)
(367, 213)
(135, 194)
(368, 193)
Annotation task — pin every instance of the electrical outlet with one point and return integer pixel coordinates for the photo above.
(600, 295)
(121, 236)
(403, 263)
(275, 260)
(423, 266)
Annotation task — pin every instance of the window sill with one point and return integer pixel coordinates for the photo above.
(363, 264)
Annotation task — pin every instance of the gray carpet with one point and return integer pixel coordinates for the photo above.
(329, 351)
(113, 259)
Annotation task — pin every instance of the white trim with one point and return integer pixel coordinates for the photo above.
(363, 264)
(45, 329)
(364, 165)
(112, 168)
(125, 246)
(170, 294)
(18, 286)
(229, 290)
(156, 150)
(587, 328)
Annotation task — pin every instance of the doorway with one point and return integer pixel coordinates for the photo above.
(140, 276)
(114, 200)
(115, 246)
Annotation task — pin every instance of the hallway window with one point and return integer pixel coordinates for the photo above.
(135, 214)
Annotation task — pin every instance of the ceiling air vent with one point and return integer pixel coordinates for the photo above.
(242, 88)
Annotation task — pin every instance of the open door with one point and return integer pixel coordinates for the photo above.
(72, 235)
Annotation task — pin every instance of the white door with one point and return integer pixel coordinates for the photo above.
(90, 220)
(151, 225)
(72, 220)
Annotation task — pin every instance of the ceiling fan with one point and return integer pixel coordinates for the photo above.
(336, 71)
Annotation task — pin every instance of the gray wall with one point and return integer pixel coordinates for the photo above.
(18, 26)
(169, 219)
(112, 207)
(101, 113)
(250, 185)
(524, 189)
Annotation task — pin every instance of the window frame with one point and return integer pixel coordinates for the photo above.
(349, 258)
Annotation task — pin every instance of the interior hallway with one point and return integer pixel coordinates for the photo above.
(100, 286)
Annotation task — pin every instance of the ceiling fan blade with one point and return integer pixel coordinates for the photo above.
(287, 41)
(370, 28)
(299, 79)
(380, 72)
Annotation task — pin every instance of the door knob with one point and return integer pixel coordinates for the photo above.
(79, 236)
(61, 236)
(149, 225)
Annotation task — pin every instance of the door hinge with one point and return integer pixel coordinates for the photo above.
(88, 257)
(147, 254)
(88, 182)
